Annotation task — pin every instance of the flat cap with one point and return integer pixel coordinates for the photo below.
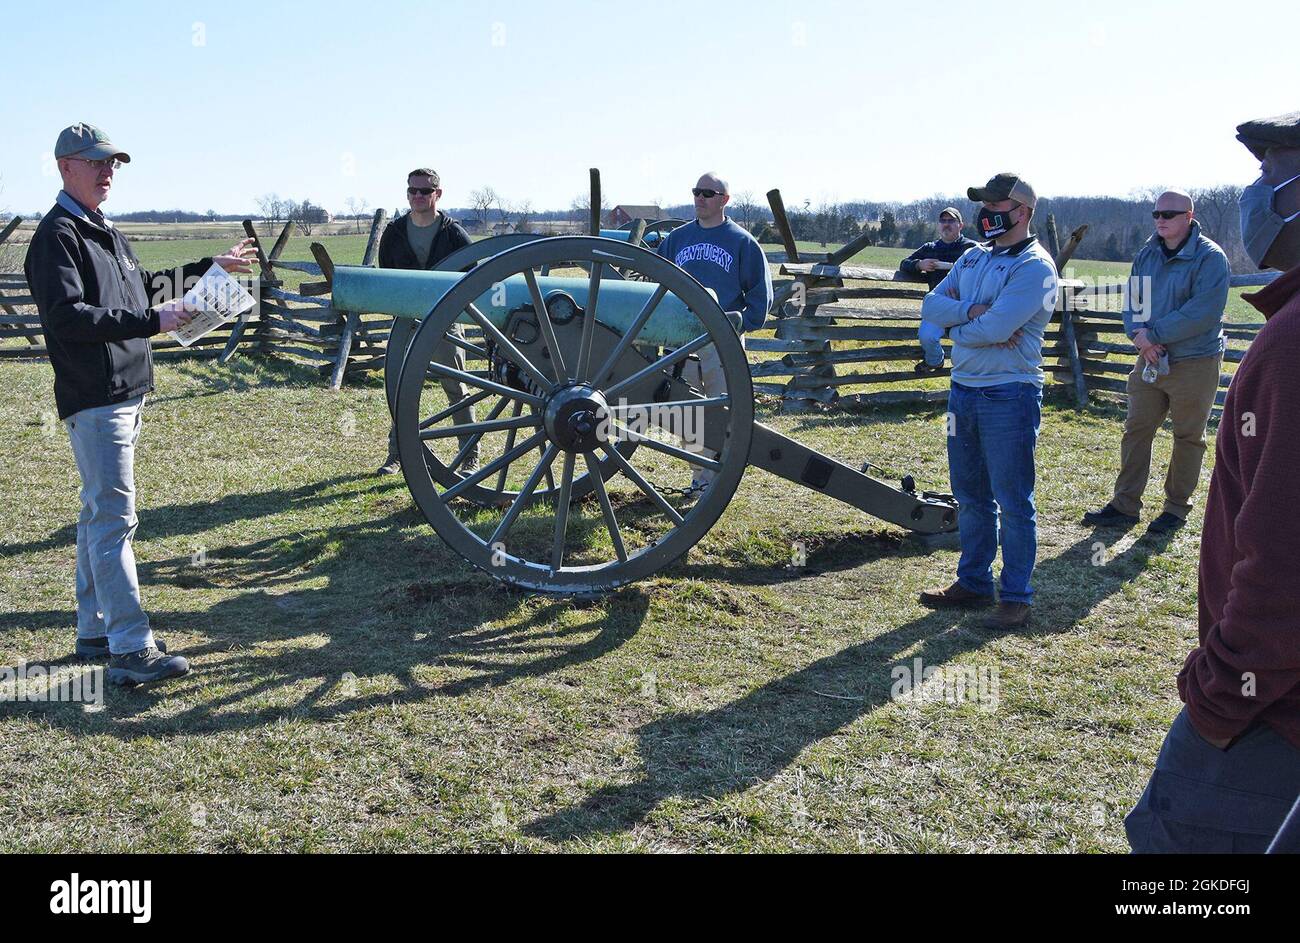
(1262, 133)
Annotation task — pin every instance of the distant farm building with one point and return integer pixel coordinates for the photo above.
(626, 212)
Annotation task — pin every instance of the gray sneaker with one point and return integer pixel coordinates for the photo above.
(391, 466)
(96, 649)
(469, 466)
(145, 667)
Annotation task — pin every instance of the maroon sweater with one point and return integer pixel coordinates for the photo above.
(1247, 666)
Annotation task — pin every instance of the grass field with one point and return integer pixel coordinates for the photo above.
(356, 686)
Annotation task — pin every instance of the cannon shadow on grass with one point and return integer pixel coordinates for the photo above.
(395, 603)
(730, 749)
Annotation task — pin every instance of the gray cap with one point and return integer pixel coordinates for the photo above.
(1262, 133)
(951, 211)
(88, 143)
(1004, 186)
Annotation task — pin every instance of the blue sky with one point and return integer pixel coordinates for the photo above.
(219, 103)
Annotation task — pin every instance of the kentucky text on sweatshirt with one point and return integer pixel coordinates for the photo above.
(728, 260)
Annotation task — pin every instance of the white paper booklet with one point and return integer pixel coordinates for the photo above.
(217, 298)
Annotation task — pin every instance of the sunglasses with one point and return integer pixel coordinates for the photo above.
(705, 192)
(1167, 214)
(423, 191)
(112, 162)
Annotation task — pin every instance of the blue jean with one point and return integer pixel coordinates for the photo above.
(992, 434)
(1203, 799)
(929, 336)
(108, 591)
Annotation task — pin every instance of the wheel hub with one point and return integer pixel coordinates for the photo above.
(577, 418)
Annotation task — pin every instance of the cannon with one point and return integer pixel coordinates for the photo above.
(580, 390)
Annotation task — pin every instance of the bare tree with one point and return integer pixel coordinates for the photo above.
(580, 208)
(522, 213)
(270, 206)
(357, 209)
(745, 207)
(483, 200)
(1216, 208)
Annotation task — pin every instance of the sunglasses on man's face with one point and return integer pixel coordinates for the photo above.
(422, 191)
(1167, 214)
(705, 192)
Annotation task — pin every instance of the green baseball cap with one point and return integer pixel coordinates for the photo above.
(88, 143)
(951, 211)
(1004, 186)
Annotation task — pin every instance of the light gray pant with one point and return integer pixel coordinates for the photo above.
(711, 381)
(449, 355)
(108, 592)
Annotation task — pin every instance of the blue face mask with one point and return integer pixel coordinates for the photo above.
(1260, 223)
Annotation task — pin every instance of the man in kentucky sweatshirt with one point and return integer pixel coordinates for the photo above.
(995, 303)
(724, 258)
(1229, 768)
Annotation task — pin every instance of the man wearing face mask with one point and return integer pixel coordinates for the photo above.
(994, 304)
(1173, 313)
(1229, 768)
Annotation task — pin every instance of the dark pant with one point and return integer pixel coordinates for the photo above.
(1203, 799)
(992, 435)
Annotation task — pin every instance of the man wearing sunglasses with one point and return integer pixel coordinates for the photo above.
(728, 261)
(1229, 768)
(994, 304)
(421, 239)
(1173, 313)
(98, 309)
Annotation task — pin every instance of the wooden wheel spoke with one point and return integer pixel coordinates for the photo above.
(611, 522)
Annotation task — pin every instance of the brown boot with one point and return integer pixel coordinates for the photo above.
(955, 596)
(1009, 617)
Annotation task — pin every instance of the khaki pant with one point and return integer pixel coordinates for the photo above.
(1186, 395)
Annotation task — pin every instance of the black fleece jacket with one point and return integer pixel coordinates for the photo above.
(94, 302)
(395, 248)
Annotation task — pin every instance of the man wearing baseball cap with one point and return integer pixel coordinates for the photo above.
(930, 264)
(994, 305)
(1229, 768)
(98, 309)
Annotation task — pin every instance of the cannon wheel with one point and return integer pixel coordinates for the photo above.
(463, 259)
(567, 546)
(403, 330)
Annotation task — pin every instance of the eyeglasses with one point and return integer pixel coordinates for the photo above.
(423, 191)
(705, 192)
(1168, 214)
(111, 163)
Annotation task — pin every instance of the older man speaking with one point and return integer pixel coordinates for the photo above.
(95, 300)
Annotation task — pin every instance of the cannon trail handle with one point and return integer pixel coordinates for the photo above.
(788, 459)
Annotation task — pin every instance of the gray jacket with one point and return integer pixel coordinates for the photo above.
(1179, 299)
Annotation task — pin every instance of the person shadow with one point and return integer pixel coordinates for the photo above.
(719, 752)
